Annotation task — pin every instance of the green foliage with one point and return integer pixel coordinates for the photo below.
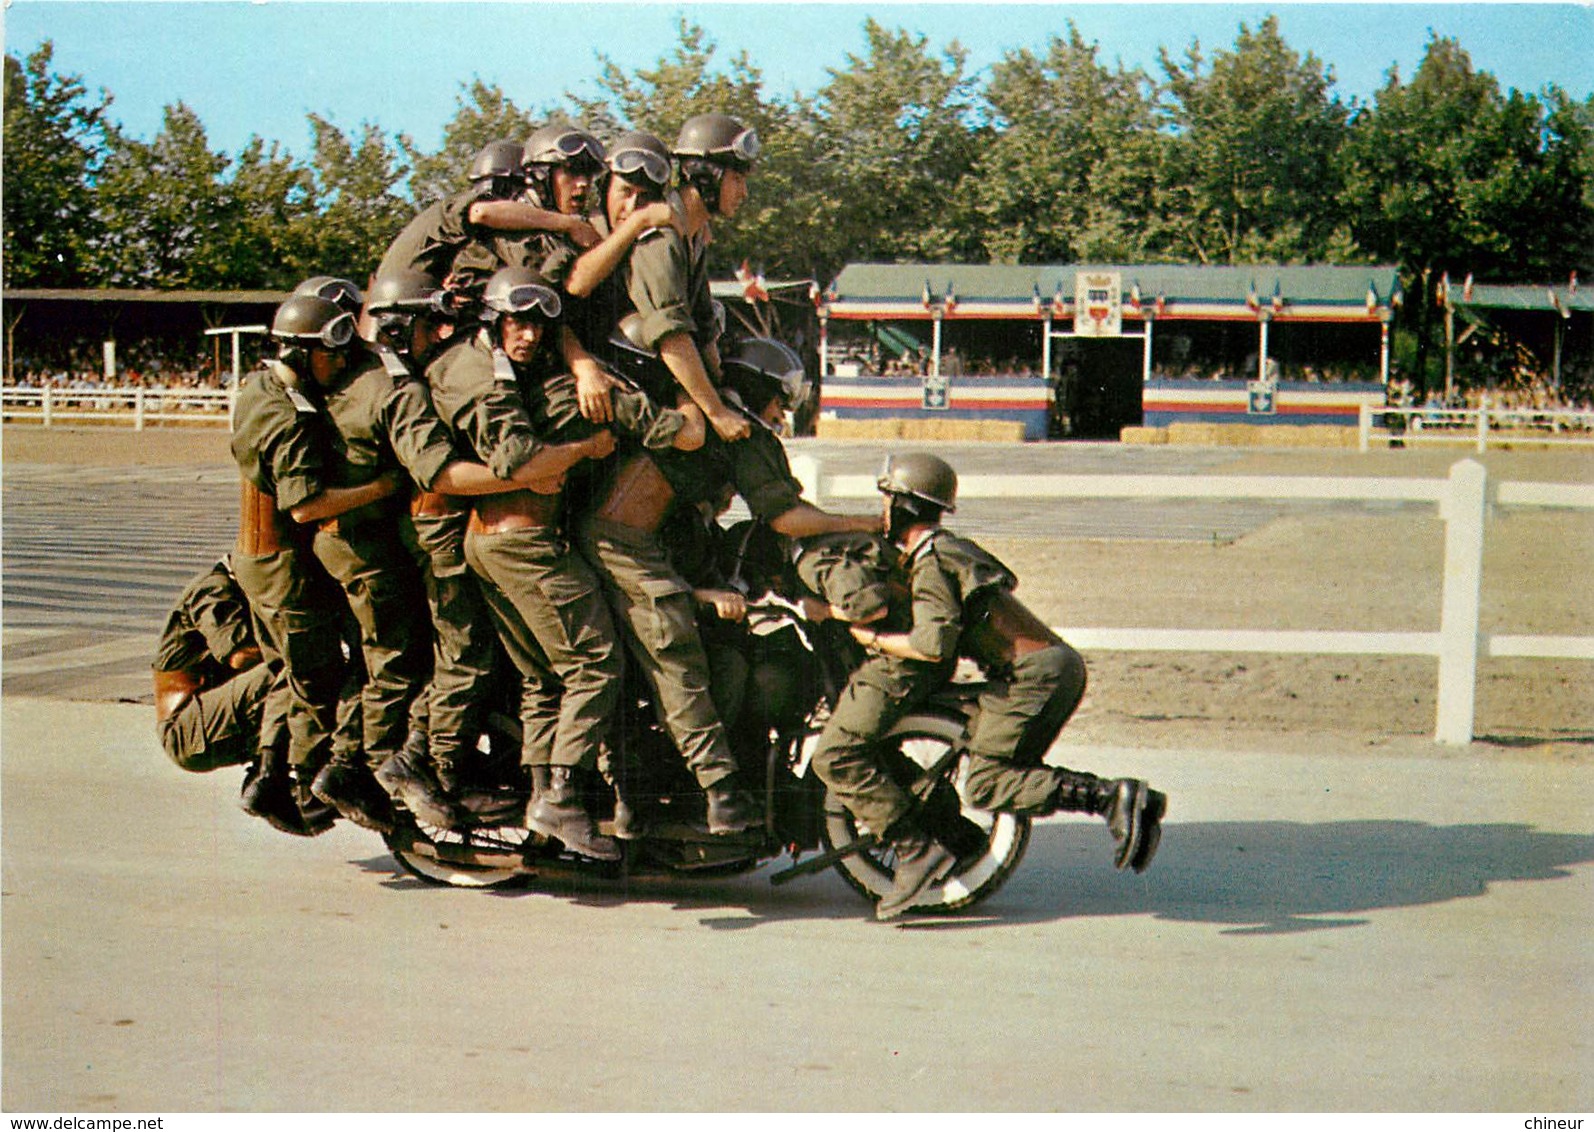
(485, 114)
(358, 210)
(1251, 174)
(1244, 156)
(55, 138)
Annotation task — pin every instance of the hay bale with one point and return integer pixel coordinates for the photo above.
(1142, 434)
(1195, 432)
(919, 429)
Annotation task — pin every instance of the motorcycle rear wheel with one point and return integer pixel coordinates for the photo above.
(925, 739)
(477, 858)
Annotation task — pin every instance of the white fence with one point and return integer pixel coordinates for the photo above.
(1463, 500)
(137, 406)
(1479, 427)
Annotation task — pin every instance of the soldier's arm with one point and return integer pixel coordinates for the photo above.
(333, 501)
(518, 216)
(679, 354)
(601, 260)
(220, 613)
(806, 520)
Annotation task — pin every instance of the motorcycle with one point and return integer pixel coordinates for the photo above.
(926, 751)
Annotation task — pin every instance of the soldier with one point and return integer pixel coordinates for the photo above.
(665, 275)
(961, 600)
(431, 241)
(383, 420)
(281, 443)
(546, 604)
(210, 682)
(414, 322)
(560, 163)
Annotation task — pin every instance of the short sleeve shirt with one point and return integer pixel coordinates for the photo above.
(280, 437)
(430, 242)
(481, 399)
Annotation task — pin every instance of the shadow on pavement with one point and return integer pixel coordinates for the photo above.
(1272, 877)
(1250, 878)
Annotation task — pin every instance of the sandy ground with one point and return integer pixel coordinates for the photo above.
(1365, 572)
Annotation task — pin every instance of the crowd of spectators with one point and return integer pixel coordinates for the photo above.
(1536, 403)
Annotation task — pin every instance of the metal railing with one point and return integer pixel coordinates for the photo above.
(1463, 499)
(138, 406)
(1479, 427)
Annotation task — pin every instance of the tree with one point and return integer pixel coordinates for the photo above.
(898, 140)
(1448, 175)
(485, 114)
(1069, 165)
(163, 211)
(357, 211)
(1250, 175)
(55, 139)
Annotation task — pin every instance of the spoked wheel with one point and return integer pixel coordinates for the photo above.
(925, 740)
(474, 857)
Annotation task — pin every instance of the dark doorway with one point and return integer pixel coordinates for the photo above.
(1098, 387)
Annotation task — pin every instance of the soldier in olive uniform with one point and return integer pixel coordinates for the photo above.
(546, 604)
(441, 232)
(210, 679)
(664, 276)
(960, 600)
(281, 441)
(560, 163)
(414, 321)
(383, 419)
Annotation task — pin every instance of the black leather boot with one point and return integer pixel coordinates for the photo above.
(406, 778)
(1151, 835)
(922, 863)
(556, 811)
(268, 793)
(731, 809)
(348, 785)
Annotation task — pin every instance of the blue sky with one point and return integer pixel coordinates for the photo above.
(259, 68)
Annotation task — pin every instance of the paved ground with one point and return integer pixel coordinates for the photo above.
(1334, 923)
(1339, 932)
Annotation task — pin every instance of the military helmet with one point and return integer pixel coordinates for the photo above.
(406, 290)
(763, 368)
(718, 138)
(921, 476)
(345, 294)
(497, 159)
(522, 292)
(640, 157)
(560, 144)
(310, 320)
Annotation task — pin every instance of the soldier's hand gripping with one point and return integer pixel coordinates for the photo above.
(593, 388)
(731, 426)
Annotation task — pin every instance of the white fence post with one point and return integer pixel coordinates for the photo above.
(1364, 425)
(138, 409)
(808, 469)
(47, 402)
(1483, 423)
(1463, 511)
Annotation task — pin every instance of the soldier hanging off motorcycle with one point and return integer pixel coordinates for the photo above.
(483, 601)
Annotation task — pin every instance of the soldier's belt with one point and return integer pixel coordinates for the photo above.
(513, 511)
(639, 496)
(262, 529)
(173, 689)
(434, 504)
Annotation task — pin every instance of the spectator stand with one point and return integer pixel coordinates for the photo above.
(1055, 346)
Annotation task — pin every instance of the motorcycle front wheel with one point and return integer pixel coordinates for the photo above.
(924, 740)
